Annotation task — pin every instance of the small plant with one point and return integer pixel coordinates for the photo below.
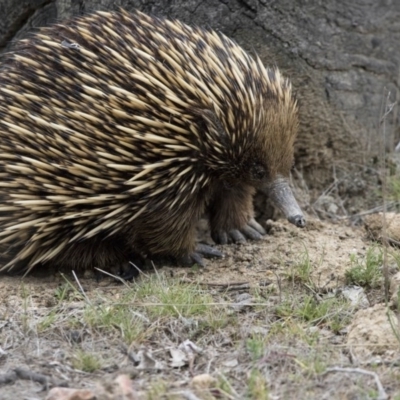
(311, 310)
(116, 316)
(366, 272)
(255, 347)
(330, 312)
(84, 361)
(216, 319)
(257, 386)
(224, 386)
(393, 188)
(62, 292)
(25, 318)
(301, 271)
(48, 321)
(169, 297)
(157, 390)
(313, 363)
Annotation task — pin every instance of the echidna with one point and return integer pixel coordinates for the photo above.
(119, 130)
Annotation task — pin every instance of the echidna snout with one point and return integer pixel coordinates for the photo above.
(282, 197)
(297, 220)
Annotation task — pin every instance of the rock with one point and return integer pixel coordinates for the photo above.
(371, 333)
(374, 225)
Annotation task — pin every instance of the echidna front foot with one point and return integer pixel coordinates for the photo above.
(131, 269)
(231, 216)
(252, 230)
(202, 250)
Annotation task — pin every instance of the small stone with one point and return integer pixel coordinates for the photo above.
(203, 381)
(231, 363)
(356, 295)
(371, 332)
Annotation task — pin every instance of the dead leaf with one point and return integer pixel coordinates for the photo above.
(179, 358)
(147, 361)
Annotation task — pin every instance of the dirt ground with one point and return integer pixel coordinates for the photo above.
(267, 267)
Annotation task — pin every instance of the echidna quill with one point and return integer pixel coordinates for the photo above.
(119, 130)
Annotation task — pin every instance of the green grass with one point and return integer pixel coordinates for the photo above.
(48, 321)
(136, 312)
(85, 361)
(164, 297)
(225, 387)
(63, 292)
(158, 312)
(150, 299)
(312, 363)
(393, 188)
(119, 318)
(257, 386)
(331, 313)
(157, 390)
(366, 271)
(255, 347)
(301, 270)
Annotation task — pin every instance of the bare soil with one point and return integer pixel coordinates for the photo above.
(268, 268)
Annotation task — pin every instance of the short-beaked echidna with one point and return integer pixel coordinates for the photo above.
(119, 130)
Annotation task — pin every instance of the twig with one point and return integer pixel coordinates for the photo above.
(81, 289)
(139, 270)
(229, 286)
(224, 284)
(116, 277)
(389, 108)
(371, 211)
(392, 241)
(374, 362)
(23, 373)
(279, 282)
(382, 395)
(189, 395)
(233, 288)
(8, 378)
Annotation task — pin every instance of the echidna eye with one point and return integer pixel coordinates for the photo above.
(258, 171)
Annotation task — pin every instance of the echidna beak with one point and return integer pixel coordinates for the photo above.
(297, 220)
(282, 197)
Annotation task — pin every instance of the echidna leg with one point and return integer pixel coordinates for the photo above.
(173, 234)
(232, 216)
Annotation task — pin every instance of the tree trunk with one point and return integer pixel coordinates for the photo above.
(342, 57)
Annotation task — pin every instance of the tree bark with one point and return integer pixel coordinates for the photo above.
(341, 56)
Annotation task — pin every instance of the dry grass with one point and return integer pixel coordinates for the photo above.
(276, 343)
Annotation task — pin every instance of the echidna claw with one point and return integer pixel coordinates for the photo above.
(255, 225)
(236, 236)
(253, 231)
(208, 251)
(202, 250)
(189, 260)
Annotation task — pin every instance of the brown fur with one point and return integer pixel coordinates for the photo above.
(117, 131)
(231, 208)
